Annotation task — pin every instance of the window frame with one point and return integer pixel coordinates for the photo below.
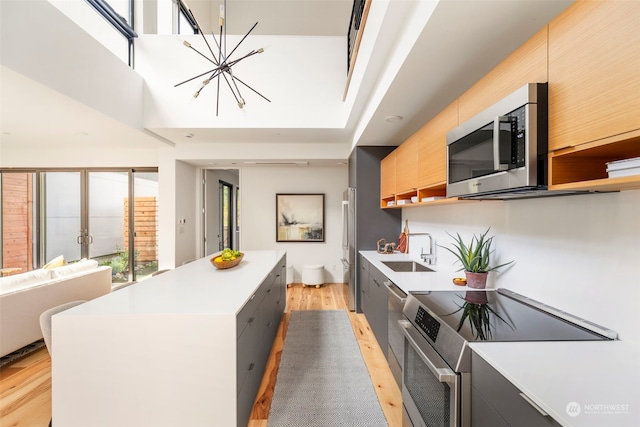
(183, 11)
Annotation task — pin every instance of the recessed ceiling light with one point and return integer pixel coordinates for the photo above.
(393, 119)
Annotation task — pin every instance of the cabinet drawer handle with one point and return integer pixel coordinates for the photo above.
(388, 285)
(535, 406)
(253, 365)
(250, 321)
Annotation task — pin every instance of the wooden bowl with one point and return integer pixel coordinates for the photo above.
(222, 265)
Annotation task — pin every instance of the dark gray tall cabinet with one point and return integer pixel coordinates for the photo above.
(372, 223)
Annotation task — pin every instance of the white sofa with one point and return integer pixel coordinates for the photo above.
(23, 297)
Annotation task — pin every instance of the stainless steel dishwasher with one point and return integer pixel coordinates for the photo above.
(396, 300)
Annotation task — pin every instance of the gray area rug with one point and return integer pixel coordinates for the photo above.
(21, 352)
(322, 379)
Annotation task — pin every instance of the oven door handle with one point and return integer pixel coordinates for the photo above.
(388, 285)
(444, 375)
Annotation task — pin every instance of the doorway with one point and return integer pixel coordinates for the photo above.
(221, 213)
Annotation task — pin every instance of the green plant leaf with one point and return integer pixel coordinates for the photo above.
(474, 257)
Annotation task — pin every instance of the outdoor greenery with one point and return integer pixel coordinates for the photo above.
(119, 264)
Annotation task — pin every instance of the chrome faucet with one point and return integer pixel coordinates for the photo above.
(430, 257)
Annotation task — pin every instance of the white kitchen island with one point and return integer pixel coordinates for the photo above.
(184, 348)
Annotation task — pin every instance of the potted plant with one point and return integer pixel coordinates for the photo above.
(475, 258)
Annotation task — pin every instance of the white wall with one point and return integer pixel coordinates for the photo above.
(188, 187)
(50, 49)
(304, 93)
(86, 17)
(258, 188)
(576, 253)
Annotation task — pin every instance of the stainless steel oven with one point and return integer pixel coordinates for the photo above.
(438, 327)
(431, 390)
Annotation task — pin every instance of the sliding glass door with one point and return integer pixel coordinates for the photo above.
(144, 216)
(81, 214)
(104, 235)
(62, 228)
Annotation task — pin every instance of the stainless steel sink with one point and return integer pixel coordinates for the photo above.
(406, 266)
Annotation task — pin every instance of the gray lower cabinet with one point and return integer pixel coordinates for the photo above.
(363, 281)
(257, 326)
(377, 308)
(496, 402)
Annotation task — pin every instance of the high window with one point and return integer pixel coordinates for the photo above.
(118, 13)
(186, 24)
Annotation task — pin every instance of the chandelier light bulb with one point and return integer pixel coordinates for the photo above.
(260, 50)
(206, 82)
(186, 43)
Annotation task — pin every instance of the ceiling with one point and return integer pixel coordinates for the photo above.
(275, 17)
(463, 40)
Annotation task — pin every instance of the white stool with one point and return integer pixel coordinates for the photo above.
(312, 275)
(289, 276)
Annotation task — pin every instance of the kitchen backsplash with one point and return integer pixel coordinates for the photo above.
(577, 253)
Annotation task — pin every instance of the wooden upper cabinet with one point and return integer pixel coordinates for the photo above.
(407, 165)
(432, 147)
(388, 175)
(527, 64)
(594, 72)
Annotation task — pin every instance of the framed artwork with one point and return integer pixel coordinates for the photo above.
(299, 217)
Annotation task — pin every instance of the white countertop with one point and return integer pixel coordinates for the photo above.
(197, 287)
(581, 384)
(440, 279)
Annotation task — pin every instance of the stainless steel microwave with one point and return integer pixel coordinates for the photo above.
(502, 151)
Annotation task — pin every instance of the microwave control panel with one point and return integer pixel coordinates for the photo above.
(517, 119)
(427, 323)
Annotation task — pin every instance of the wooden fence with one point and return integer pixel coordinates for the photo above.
(145, 220)
(17, 220)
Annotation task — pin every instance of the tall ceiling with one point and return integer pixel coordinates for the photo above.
(462, 41)
(275, 17)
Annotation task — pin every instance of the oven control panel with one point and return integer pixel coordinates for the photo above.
(427, 323)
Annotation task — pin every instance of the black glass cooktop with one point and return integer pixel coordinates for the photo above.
(499, 316)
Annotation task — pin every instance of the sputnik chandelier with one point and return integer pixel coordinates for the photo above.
(223, 62)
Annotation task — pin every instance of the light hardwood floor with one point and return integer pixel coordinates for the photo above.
(25, 385)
